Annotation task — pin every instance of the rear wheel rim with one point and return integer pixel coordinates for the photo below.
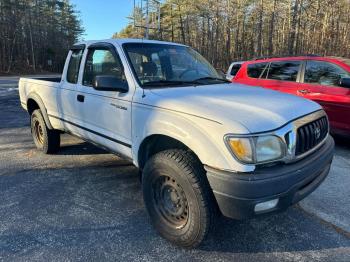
(170, 201)
(38, 131)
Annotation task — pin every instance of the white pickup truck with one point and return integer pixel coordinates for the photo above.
(203, 146)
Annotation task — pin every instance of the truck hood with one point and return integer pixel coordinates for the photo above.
(257, 109)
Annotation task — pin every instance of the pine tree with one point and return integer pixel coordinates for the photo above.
(35, 35)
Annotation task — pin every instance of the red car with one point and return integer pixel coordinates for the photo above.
(325, 80)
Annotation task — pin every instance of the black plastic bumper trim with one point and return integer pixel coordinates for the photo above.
(237, 194)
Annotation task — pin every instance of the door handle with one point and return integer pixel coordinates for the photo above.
(304, 91)
(80, 98)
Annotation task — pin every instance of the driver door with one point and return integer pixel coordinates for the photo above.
(104, 117)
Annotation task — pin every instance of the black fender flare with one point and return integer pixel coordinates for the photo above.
(39, 101)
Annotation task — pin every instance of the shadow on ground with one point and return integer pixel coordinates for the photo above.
(342, 141)
(83, 148)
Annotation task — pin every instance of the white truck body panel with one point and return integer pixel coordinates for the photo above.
(234, 105)
(46, 89)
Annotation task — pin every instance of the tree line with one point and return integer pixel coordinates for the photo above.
(36, 34)
(232, 30)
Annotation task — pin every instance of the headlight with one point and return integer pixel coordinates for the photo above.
(268, 148)
(255, 150)
(242, 148)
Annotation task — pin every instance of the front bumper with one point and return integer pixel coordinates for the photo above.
(237, 194)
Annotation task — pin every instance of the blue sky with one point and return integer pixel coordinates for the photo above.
(102, 18)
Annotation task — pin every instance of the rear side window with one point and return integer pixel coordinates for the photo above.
(285, 71)
(235, 68)
(323, 73)
(256, 70)
(73, 67)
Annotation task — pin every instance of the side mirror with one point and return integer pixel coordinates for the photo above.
(345, 82)
(110, 83)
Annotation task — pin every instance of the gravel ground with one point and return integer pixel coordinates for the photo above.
(85, 204)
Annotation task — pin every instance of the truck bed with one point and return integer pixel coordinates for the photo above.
(43, 87)
(50, 79)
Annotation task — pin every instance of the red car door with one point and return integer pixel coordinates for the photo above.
(321, 84)
(336, 102)
(309, 90)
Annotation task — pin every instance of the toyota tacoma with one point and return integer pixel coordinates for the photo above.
(204, 146)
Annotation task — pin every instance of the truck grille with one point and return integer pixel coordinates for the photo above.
(310, 135)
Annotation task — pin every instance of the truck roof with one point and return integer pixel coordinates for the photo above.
(121, 41)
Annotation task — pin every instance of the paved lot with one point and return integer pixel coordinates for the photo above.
(85, 205)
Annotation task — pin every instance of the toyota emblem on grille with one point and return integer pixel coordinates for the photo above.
(317, 132)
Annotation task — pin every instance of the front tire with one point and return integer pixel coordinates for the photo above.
(178, 197)
(46, 140)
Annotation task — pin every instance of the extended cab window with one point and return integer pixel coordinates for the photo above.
(256, 70)
(101, 62)
(73, 67)
(286, 70)
(323, 73)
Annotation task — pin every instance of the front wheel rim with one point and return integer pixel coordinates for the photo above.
(170, 201)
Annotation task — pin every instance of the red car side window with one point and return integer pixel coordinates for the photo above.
(256, 70)
(323, 73)
(285, 71)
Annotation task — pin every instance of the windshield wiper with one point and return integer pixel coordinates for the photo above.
(211, 78)
(167, 83)
(199, 81)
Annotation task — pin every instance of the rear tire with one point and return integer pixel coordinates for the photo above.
(46, 140)
(178, 197)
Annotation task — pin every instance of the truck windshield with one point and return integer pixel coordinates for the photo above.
(156, 65)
